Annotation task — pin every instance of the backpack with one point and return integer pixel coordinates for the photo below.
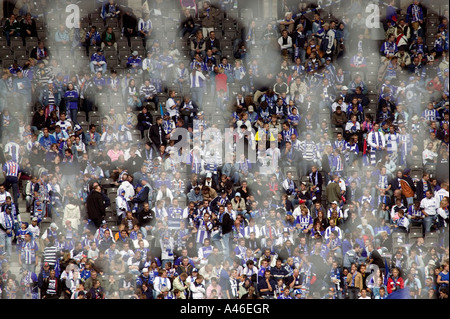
(406, 188)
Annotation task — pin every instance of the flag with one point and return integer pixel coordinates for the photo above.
(103, 12)
(161, 110)
(386, 272)
(145, 7)
(400, 294)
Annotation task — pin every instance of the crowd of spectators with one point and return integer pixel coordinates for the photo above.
(309, 174)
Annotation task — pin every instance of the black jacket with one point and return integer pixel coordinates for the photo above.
(227, 223)
(147, 217)
(155, 135)
(419, 189)
(95, 205)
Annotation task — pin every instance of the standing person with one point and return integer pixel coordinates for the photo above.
(51, 287)
(327, 45)
(355, 282)
(428, 207)
(87, 94)
(197, 81)
(377, 143)
(208, 17)
(28, 253)
(144, 120)
(156, 134)
(71, 97)
(375, 257)
(333, 190)
(11, 171)
(95, 207)
(443, 277)
(226, 225)
(6, 230)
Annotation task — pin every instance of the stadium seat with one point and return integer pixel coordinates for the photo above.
(431, 238)
(413, 235)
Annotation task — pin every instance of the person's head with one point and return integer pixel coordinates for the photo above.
(395, 272)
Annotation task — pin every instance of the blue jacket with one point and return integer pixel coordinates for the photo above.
(98, 57)
(137, 60)
(71, 98)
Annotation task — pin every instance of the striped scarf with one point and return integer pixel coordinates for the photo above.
(392, 145)
(373, 158)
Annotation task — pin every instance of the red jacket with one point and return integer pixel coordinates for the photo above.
(221, 82)
(392, 284)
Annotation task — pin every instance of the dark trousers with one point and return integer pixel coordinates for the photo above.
(353, 292)
(87, 106)
(13, 182)
(95, 224)
(73, 115)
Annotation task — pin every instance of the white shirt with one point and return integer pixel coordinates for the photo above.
(439, 195)
(195, 79)
(429, 205)
(169, 104)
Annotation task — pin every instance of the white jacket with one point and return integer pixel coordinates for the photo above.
(129, 189)
(72, 213)
(198, 292)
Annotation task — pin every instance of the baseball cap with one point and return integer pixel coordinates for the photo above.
(194, 270)
(134, 53)
(208, 175)
(35, 219)
(238, 194)
(144, 270)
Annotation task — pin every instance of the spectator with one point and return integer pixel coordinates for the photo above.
(11, 28)
(108, 38)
